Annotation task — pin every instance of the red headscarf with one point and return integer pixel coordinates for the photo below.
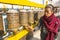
(52, 24)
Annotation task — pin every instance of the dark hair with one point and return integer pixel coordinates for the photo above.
(52, 7)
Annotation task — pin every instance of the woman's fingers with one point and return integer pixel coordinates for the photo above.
(29, 28)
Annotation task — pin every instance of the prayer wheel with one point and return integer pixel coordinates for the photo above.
(23, 17)
(13, 20)
(31, 16)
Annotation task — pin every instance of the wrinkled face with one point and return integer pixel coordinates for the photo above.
(48, 12)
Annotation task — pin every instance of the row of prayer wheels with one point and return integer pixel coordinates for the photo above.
(19, 18)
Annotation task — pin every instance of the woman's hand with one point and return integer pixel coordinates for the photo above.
(29, 28)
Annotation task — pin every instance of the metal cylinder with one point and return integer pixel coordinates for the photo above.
(31, 16)
(23, 17)
(13, 20)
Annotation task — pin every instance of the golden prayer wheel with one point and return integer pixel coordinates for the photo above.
(23, 17)
(31, 16)
(13, 20)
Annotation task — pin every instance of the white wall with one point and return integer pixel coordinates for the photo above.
(54, 2)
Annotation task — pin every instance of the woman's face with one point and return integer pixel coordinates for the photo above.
(48, 12)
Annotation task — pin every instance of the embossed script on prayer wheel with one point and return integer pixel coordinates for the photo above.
(31, 16)
(13, 20)
(23, 17)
